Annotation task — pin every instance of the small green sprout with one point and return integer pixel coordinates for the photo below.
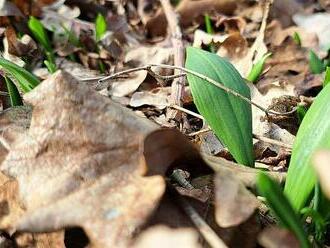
(301, 112)
(315, 63)
(15, 97)
(41, 36)
(100, 27)
(296, 38)
(257, 69)
(209, 30)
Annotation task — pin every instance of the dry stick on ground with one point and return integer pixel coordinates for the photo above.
(204, 229)
(199, 75)
(175, 31)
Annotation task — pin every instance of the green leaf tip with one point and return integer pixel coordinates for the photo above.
(313, 134)
(315, 63)
(281, 207)
(258, 68)
(40, 33)
(100, 26)
(229, 116)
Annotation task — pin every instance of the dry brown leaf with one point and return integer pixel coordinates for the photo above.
(234, 203)
(82, 165)
(158, 98)
(165, 237)
(188, 11)
(41, 240)
(274, 237)
(321, 162)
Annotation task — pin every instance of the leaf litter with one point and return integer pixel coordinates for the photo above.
(83, 156)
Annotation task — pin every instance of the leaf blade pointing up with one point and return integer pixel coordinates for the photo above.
(229, 116)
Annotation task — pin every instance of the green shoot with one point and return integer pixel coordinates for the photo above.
(15, 97)
(25, 79)
(281, 207)
(296, 38)
(301, 112)
(41, 36)
(315, 63)
(209, 30)
(257, 69)
(100, 27)
(327, 76)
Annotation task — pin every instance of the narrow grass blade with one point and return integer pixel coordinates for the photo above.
(315, 63)
(26, 80)
(100, 26)
(15, 97)
(281, 207)
(313, 134)
(229, 116)
(39, 33)
(257, 69)
(296, 38)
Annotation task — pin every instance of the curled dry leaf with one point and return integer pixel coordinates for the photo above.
(234, 203)
(157, 98)
(321, 162)
(82, 166)
(274, 237)
(165, 237)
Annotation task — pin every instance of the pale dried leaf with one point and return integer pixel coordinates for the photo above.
(165, 237)
(230, 197)
(275, 237)
(157, 98)
(321, 162)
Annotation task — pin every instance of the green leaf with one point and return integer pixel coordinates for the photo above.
(313, 134)
(296, 38)
(100, 26)
(257, 68)
(327, 76)
(50, 66)
(281, 207)
(229, 116)
(315, 63)
(301, 112)
(40, 33)
(25, 79)
(15, 97)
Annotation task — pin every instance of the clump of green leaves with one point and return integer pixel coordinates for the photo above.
(100, 27)
(316, 65)
(282, 208)
(258, 68)
(41, 36)
(229, 117)
(26, 80)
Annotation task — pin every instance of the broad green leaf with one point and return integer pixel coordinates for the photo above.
(39, 33)
(281, 207)
(100, 26)
(15, 97)
(315, 63)
(327, 76)
(26, 80)
(257, 69)
(228, 116)
(313, 134)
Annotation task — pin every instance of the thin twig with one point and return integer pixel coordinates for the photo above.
(201, 76)
(205, 230)
(272, 141)
(176, 37)
(2, 93)
(261, 138)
